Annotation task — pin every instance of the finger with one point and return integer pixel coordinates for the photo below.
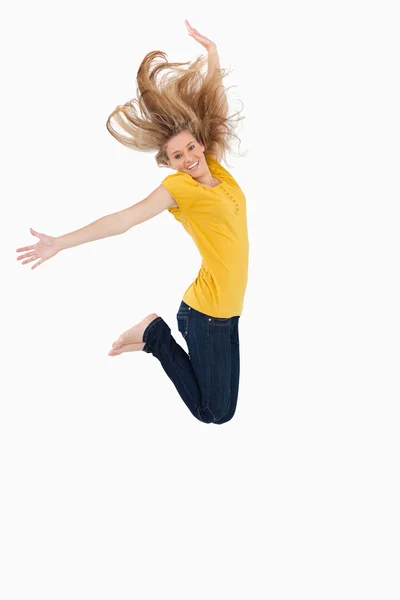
(29, 260)
(37, 264)
(25, 248)
(25, 255)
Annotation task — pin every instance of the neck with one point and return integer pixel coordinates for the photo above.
(206, 178)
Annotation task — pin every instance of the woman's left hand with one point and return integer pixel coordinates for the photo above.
(208, 44)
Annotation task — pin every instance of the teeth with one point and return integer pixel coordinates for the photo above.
(193, 166)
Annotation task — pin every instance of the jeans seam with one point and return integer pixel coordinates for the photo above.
(208, 390)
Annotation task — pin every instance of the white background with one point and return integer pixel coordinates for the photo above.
(109, 487)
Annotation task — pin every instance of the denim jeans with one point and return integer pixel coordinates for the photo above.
(206, 378)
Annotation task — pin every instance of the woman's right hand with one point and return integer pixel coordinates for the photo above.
(45, 248)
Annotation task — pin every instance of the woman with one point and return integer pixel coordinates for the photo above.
(183, 116)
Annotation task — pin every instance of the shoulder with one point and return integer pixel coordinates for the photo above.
(211, 159)
(179, 183)
(214, 164)
(215, 151)
(181, 187)
(178, 178)
(218, 171)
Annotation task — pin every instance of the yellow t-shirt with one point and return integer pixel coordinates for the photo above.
(216, 220)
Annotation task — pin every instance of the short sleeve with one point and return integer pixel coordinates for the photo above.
(183, 188)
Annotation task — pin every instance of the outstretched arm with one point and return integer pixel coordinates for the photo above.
(120, 222)
(115, 224)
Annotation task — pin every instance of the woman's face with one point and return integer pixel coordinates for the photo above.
(184, 151)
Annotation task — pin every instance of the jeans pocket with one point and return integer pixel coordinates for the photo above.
(183, 323)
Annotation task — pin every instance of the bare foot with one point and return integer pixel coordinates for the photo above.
(134, 335)
(126, 348)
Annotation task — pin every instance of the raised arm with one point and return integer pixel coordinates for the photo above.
(213, 65)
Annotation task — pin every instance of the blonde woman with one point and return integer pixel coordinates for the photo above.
(182, 115)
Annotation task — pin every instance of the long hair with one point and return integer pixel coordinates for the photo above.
(171, 99)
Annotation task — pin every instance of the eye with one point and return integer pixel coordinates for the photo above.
(178, 155)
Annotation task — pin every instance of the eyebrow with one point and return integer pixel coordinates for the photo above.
(186, 146)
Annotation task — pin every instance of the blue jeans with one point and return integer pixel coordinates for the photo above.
(207, 379)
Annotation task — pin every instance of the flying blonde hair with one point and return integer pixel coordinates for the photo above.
(171, 99)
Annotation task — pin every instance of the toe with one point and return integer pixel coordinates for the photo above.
(118, 350)
(126, 348)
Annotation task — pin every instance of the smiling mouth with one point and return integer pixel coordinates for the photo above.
(194, 166)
